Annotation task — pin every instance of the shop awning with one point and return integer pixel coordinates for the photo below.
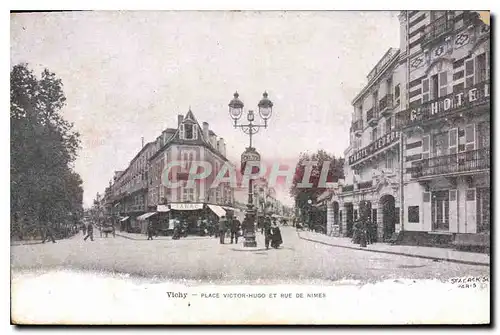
(124, 219)
(186, 206)
(162, 208)
(145, 216)
(217, 210)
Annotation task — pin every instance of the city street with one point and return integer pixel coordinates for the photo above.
(203, 258)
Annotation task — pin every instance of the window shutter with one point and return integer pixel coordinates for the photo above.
(195, 132)
(453, 140)
(443, 84)
(425, 90)
(425, 146)
(469, 73)
(453, 195)
(182, 132)
(470, 137)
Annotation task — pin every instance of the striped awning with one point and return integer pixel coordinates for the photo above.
(217, 210)
(124, 219)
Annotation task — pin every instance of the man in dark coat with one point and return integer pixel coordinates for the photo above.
(48, 233)
(267, 232)
(90, 232)
(235, 230)
(222, 229)
(150, 230)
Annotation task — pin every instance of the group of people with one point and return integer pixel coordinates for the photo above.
(272, 234)
(233, 226)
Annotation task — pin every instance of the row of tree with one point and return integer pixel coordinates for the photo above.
(43, 147)
(303, 194)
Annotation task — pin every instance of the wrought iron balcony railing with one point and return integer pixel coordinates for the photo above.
(467, 161)
(386, 104)
(438, 28)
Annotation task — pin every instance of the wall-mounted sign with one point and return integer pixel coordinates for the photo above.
(249, 155)
(375, 146)
(186, 206)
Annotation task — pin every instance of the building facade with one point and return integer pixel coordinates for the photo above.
(446, 127)
(420, 134)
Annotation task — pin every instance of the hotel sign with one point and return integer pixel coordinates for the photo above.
(471, 96)
(375, 146)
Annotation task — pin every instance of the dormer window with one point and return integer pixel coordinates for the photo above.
(188, 131)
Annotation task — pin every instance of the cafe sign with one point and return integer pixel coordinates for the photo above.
(377, 145)
(468, 97)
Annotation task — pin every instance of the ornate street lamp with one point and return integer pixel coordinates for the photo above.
(235, 111)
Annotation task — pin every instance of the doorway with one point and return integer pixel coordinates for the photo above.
(349, 212)
(388, 206)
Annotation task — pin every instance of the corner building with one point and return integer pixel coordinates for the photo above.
(446, 127)
(430, 97)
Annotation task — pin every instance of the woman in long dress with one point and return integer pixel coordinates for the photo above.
(276, 239)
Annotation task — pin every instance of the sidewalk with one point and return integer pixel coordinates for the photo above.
(442, 254)
(139, 236)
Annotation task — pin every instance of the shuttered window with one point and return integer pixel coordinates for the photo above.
(443, 84)
(425, 146)
(469, 73)
(453, 141)
(425, 90)
(470, 137)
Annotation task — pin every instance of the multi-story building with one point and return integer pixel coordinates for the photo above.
(431, 98)
(446, 125)
(372, 165)
(139, 192)
(187, 143)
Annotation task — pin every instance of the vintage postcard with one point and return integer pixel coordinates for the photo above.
(250, 167)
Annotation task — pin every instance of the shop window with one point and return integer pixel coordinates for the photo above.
(413, 214)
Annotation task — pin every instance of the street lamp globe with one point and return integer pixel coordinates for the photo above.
(235, 107)
(309, 201)
(265, 107)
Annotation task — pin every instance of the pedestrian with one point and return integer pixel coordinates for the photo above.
(90, 232)
(84, 229)
(235, 230)
(276, 239)
(150, 230)
(222, 229)
(267, 232)
(48, 233)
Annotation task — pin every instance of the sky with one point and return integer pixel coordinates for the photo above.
(128, 74)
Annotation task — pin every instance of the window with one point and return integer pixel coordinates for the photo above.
(187, 192)
(483, 135)
(469, 73)
(413, 214)
(440, 210)
(188, 131)
(388, 125)
(425, 90)
(388, 161)
(375, 99)
(397, 92)
(483, 210)
(482, 73)
(425, 146)
(434, 87)
(443, 84)
(389, 85)
(470, 137)
(374, 134)
(440, 145)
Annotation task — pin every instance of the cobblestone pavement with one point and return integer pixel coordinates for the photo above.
(196, 258)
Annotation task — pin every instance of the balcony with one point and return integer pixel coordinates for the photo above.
(462, 163)
(386, 105)
(372, 116)
(347, 188)
(468, 99)
(366, 184)
(135, 208)
(357, 128)
(376, 147)
(438, 29)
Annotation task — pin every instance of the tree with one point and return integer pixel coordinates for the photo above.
(303, 194)
(43, 146)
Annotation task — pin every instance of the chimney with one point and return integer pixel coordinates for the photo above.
(142, 142)
(180, 117)
(205, 131)
(164, 135)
